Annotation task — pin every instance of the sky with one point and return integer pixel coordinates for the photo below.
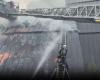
(24, 4)
(29, 4)
(39, 3)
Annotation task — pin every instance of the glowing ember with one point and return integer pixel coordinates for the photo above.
(4, 57)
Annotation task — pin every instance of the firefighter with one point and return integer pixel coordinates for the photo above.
(61, 58)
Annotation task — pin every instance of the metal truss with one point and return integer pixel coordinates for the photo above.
(72, 12)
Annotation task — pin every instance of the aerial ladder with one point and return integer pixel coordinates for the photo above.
(61, 71)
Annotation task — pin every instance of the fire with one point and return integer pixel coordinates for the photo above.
(4, 57)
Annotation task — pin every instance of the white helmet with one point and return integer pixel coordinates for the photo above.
(64, 46)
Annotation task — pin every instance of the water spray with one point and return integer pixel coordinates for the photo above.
(47, 52)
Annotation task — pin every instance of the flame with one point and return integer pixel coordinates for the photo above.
(4, 57)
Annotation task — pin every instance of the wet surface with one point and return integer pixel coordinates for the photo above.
(21, 53)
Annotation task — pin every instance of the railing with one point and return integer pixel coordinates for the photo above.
(72, 12)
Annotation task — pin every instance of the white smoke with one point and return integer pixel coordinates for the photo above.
(63, 26)
(54, 25)
(70, 26)
(24, 4)
(46, 3)
(47, 52)
(4, 22)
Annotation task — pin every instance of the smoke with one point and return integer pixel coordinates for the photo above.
(3, 22)
(24, 4)
(47, 3)
(70, 26)
(53, 25)
(47, 52)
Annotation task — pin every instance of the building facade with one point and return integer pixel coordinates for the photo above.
(87, 40)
